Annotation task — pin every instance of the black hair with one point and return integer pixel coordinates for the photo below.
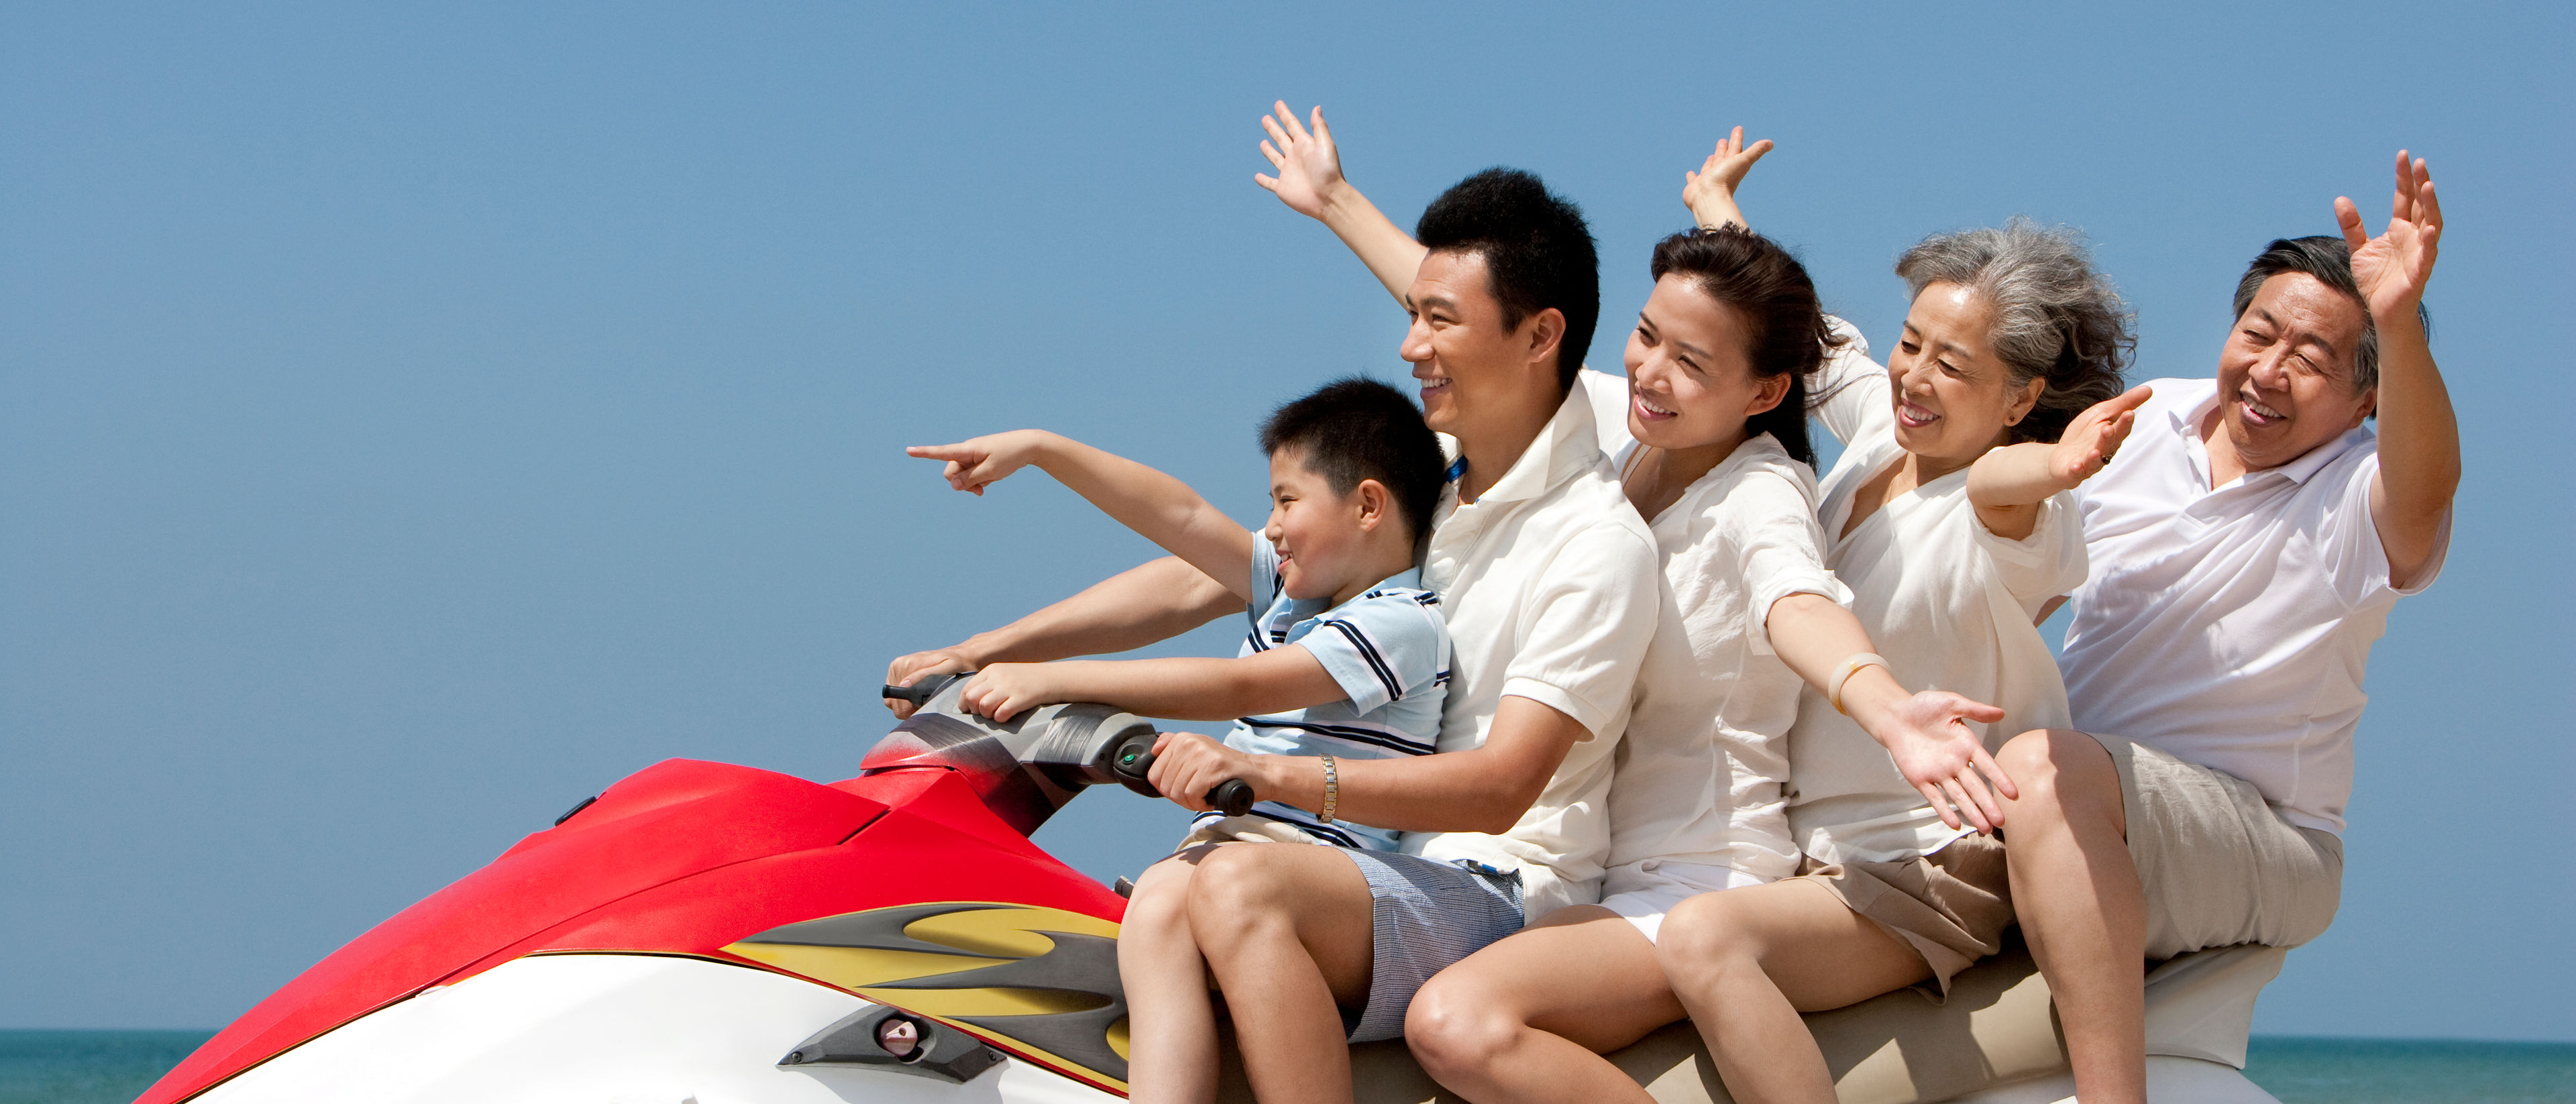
(2329, 259)
(1538, 253)
(1785, 328)
(1355, 429)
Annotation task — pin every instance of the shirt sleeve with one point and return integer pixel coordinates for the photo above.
(2356, 560)
(2047, 563)
(1585, 626)
(1265, 573)
(1778, 549)
(1854, 389)
(1381, 649)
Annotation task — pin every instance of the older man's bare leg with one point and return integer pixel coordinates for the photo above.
(1286, 930)
(2075, 889)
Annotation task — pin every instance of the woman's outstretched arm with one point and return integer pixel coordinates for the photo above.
(1922, 732)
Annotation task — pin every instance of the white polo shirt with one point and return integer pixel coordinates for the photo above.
(1704, 767)
(1946, 601)
(2229, 626)
(1549, 581)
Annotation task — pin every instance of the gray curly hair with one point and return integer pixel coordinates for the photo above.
(2055, 317)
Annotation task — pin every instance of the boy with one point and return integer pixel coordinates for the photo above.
(1347, 655)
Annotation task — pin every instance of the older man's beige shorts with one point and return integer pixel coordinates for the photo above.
(1952, 906)
(2220, 866)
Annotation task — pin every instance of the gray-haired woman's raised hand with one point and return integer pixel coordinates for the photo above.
(1710, 192)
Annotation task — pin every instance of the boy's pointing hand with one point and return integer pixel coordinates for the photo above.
(983, 461)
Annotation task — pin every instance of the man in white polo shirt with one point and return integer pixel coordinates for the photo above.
(2247, 543)
(1551, 586)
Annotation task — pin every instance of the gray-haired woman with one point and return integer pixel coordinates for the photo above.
(1949, 518)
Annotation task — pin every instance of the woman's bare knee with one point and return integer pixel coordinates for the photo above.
(1704, 936)
(1457, 1025)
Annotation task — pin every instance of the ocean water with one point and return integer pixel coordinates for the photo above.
(112, 1067)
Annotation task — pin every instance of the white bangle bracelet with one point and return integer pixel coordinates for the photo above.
(1850, 667)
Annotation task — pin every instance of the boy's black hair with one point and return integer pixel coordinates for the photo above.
(1538, 253)
(1354, 429)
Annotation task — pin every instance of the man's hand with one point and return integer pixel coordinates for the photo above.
(1710, 192)
(2393, 267)
(1310, 169)
(1005, 690)
(1943, 759)
(906, 670)
(979, 463)
(2094, 437)
(1188, 765)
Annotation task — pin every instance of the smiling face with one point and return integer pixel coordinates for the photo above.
(1690, 379)
(1954, 396)
(1472, 367)
(1321, 536)
(2285, 375)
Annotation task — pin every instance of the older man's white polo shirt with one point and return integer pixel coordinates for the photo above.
(1551, 586)
(2230, 626)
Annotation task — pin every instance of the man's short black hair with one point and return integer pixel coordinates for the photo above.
(1355, 429)
(1538, 253)
(2329, 260)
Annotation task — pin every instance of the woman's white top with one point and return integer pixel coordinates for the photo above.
(1701, 777)
(1945, 600)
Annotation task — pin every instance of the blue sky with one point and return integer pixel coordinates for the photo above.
(414, 421)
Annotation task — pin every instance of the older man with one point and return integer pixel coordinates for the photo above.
(2247, 543)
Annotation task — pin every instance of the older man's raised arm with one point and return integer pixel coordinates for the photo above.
(2419, 436)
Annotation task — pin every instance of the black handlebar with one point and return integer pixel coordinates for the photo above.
(1233, 797)
(924, 689)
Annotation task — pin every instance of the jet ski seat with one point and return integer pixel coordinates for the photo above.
(1997, 1029)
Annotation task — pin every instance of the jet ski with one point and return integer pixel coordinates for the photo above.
(703, 933)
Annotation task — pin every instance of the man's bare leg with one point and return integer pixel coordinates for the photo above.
(1172, 1040)
(2075, 889)
(1287, 926)
(1528, 1018)
(1745, 962)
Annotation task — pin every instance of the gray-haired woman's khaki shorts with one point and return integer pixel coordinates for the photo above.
(2219, 864)
(1952, 906)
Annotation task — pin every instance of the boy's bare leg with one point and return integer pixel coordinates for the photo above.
(1528, 1018)
(1745, 962)
(2075, 890)
(1172, 1040)
(1287, 927)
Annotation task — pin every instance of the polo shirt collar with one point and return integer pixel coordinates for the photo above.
(2308, 464)
(1565, 448)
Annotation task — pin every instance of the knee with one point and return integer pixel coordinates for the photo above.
(2053, 768)
(1232, 891)
(1701, 939)
(1160, 903)
(1456, 1027)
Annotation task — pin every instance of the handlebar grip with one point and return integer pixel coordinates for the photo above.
(1233, 797)
(923, 689)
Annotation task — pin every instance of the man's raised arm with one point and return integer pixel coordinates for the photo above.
(2419, 436)
(1156, 601)
(1310, 183)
